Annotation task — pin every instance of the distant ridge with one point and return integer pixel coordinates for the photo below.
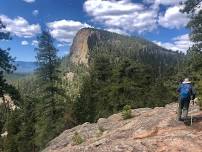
(24, 67)
(87, 39)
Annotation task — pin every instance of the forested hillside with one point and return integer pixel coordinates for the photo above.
(122, 70)
(104, 72)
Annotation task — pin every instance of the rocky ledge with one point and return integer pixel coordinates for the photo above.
(149, 130)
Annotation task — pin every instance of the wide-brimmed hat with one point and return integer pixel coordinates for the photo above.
(186, 80)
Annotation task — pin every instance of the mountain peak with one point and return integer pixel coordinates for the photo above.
(87, 39)
(148, 130)
(79, 51)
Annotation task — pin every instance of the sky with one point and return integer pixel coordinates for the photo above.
(159, 21)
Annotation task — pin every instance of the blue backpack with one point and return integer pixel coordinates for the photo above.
(185, 90)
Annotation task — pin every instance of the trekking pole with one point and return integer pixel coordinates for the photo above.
(192, 110)
(191, 119)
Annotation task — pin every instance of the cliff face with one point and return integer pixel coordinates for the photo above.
(150, 130)
(79, 52)
(80, 49)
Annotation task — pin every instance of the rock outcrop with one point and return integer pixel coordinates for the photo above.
(149, 130)
(8, 102)
(79, 49)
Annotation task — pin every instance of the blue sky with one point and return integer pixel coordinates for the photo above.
(157, 20)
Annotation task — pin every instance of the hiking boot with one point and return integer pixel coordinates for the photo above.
(180, 119)
(187, 122)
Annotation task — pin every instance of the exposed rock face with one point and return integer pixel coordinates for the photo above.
(150, 130)
(79, 48)
(4, 134)
(69, 76)
(8, 101)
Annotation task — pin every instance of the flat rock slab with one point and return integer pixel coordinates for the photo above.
(149, 130)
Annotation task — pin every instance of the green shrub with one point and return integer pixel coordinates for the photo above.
(127, 112)
(77, 139)
(100, 131)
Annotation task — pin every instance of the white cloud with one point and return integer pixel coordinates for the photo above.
(60, 45)
(126, 16)
(29, 1)
(181, 43)
(164, 2)
(20, 27)
(119, 31)
(65, 30)
(35, 12)
(122, 15)
(24, 43)
(198, 8)
(173, 18)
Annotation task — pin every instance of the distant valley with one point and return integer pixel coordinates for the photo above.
(24, 67)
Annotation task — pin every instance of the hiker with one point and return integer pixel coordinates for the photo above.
(186, 93)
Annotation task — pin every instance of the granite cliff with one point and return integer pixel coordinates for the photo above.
(79, 48)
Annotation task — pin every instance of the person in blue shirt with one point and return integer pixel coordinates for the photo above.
(186, 94)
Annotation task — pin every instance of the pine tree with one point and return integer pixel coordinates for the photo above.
(50, 108)
(192, 7)
(6, 67)
(194, 54)
(6, 63)
(26, 134)
(13, 128)
(84, 107)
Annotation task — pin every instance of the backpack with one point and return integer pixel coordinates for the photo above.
(185, 90)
